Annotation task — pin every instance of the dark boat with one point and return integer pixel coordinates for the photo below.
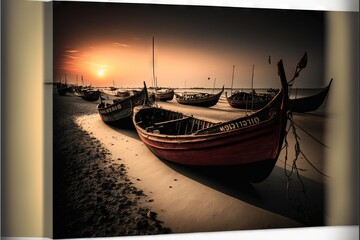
(164, 95)
(120, 111)
(246, 100)
(62, 89)
(122, 94)
(253, 101)
(311, 103)
(252, 143)
(199, 99)
(78, 92)
(90, 95)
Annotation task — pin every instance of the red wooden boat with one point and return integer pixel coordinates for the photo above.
(120, 111)
(199, 99)
(311, 103)
(252, 142)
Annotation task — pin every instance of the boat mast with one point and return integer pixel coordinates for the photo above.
(252, 89)
(153, 62)
(232, 80)
(214, 85)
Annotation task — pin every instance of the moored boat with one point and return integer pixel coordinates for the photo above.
(252, 142)
(90, 95)
(164, 94)
(199, 99)
(159, 94)
(122, 94)
(120, 111)
(63, 89)
(251, 101)
(79, 92)
(310, 103)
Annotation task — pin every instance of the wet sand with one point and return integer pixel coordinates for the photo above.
(179, 199)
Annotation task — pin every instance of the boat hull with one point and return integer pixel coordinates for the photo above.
(63, 90)
(251, 146)
(91, 96)
(121, 111)
(311, 103)
(167, 96)
(246, 105)
(200, 102)
(243, 100)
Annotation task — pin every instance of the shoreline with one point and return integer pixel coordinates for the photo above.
(178, 199)
(93, 195)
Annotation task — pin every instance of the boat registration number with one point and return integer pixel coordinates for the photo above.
(240, 124)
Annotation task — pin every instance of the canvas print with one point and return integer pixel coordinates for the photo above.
(180, 119)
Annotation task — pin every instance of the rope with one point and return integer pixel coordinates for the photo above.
(295, 169)
(302, 153)
(297, 125)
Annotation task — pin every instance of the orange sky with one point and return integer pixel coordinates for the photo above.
(112, 44)
(128, 64)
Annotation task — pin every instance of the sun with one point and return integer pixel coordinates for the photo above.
(100, 73)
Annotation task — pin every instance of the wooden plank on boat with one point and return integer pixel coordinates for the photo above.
(171, 121)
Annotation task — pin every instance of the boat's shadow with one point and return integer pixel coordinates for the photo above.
(272, 194)
(127, 129)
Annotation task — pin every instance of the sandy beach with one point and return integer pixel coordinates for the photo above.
(107, 183)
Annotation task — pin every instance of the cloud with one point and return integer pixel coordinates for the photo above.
(71, 56)
(120, 44)
(72, 51)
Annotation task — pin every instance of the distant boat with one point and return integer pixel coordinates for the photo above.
(120, 111)
(122, 94)
(311, 103)
(252, 101)
(252, 142)
(90, 95)
(164, 94)
(160, 94)
(78, 92)
(63, 88)
(199, 99)
(109, 91)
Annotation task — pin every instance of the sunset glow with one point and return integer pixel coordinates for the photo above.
(100, 73)
(114, 47)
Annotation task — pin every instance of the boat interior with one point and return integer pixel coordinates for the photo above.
(162, 121)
